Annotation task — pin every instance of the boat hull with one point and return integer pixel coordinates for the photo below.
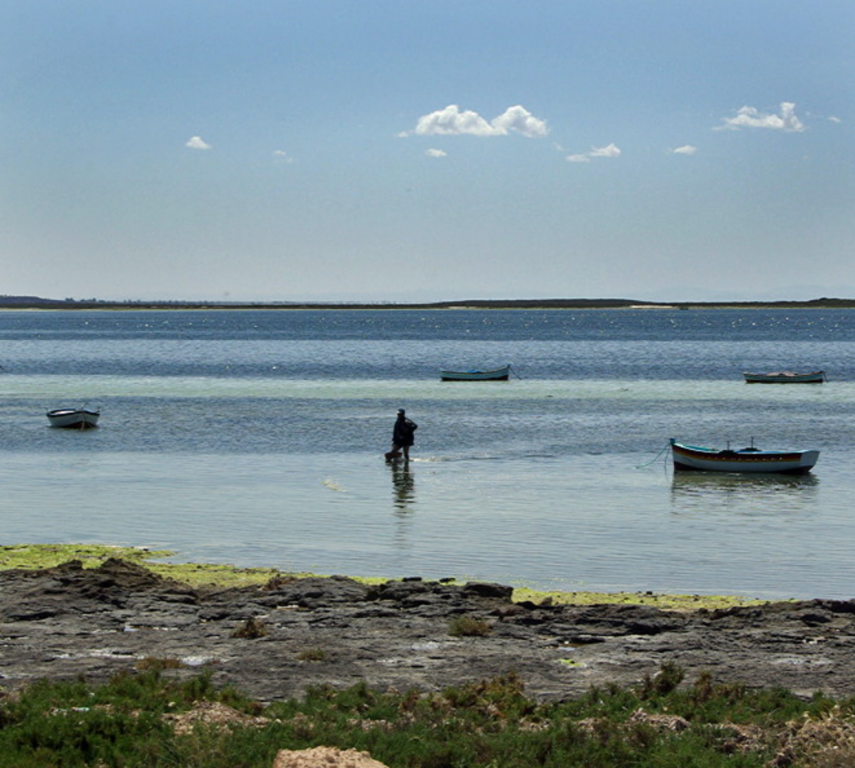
(785, 377)
(499, 374)
(73, 418)
(696, 459)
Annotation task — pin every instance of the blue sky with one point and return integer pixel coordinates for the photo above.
(379, 150)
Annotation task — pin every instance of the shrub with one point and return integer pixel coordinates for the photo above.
(469, 626)
(312, 654)
(251, 629)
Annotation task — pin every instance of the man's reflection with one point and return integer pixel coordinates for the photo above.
(403, 485)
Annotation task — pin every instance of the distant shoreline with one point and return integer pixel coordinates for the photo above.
(34, 303)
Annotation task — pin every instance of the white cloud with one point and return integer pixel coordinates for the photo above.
(686, 149)
(452, 122)
(281, 156)
(197, 143)
(835, 119)
(751, 117)
(436, 153)
(611, 150)
(522, 121)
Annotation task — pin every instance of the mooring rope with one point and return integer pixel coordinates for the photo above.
(642, 466)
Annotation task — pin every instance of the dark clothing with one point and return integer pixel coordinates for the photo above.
(402, 434)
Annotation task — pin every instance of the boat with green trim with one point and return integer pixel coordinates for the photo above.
(698, 459)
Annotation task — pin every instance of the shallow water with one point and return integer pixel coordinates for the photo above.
(257, 439)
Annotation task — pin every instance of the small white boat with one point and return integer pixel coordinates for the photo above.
(497, 374)
(785, 377)
(751, 459)
(73, 418)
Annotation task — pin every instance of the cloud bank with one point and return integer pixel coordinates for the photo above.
(452, 122)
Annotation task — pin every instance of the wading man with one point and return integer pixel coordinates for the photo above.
(403, 434)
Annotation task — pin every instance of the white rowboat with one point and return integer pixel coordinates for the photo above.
(695, 458)
(73, 418)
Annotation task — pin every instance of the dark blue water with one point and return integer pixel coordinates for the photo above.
(542, 344)
(434, 325)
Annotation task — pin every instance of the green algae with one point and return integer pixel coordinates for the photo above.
(665, 602)
(40, 556)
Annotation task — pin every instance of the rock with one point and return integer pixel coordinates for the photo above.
(314, 592)
(659, 722)
(399, 590)
(70, 622)
(214, 714)
(325, 757)
(481, 589)
(130, 575)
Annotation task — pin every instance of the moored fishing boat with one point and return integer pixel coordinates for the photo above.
(497, 374)
(785, 377)
(73, 418)
(751, 459)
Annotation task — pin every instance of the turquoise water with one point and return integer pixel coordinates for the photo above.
(256, 438)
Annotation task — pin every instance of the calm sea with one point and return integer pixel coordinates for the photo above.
(256, 438)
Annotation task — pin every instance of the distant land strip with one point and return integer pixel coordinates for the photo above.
(35, 302)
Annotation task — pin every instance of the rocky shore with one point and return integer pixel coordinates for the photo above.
(274, 641)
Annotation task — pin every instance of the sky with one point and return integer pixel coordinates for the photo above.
(427, 150)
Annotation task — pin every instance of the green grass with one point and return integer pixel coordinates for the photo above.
(661, 723)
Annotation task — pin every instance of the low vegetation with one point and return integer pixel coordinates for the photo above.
(313, 654)
(150, 718)
(469, 626)
(252, 629)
